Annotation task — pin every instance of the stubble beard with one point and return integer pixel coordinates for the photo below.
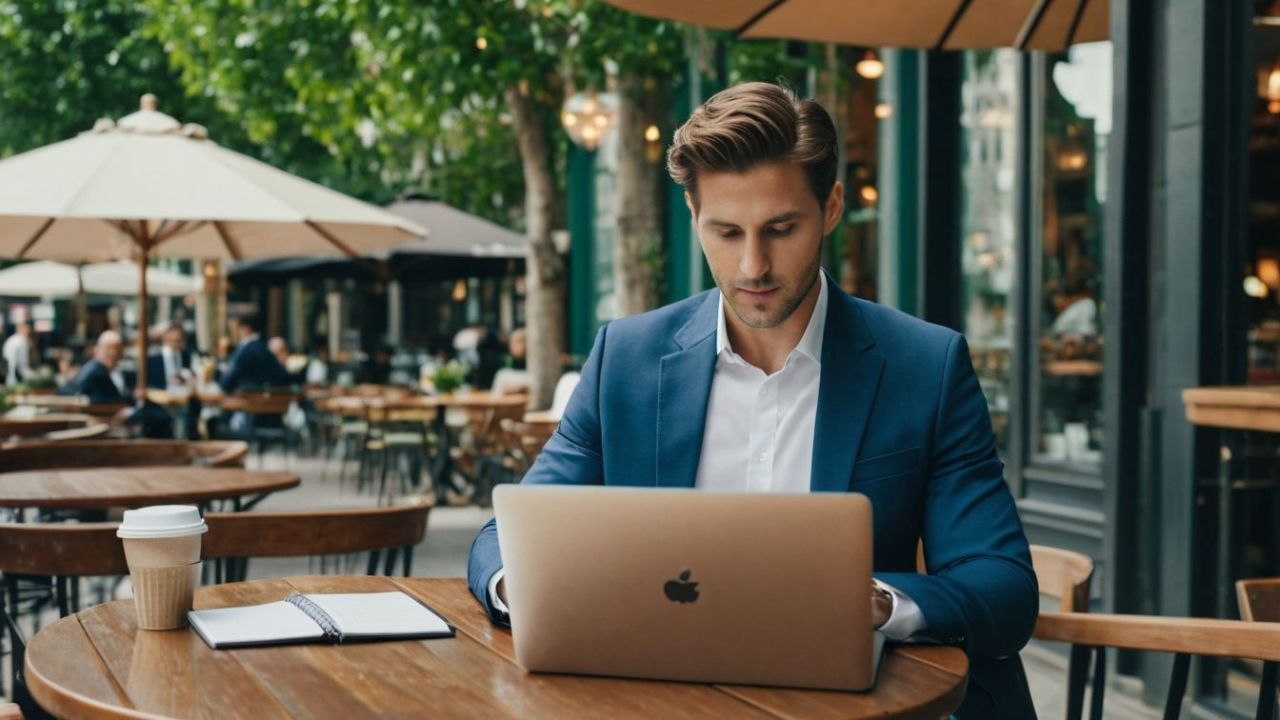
(752, 315)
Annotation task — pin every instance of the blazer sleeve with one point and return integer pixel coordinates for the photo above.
(572, 457)
(980, 591)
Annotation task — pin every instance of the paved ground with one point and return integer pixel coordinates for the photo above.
(449, 533)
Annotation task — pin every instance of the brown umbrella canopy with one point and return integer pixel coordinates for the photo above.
(942, 24)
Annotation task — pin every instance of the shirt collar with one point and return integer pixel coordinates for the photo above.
(810, 343)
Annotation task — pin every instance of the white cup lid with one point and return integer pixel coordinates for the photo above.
(162, 521)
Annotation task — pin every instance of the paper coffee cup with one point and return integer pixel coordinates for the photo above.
(162, 596)
(162, 548)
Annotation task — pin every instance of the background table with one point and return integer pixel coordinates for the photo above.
(108, 487)
(1234, 410)
(96, 664)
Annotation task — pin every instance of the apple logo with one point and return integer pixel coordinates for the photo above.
(681, 591)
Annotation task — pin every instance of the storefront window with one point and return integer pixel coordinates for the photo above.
(989, 134)
(1261, 284)
(1076, 122)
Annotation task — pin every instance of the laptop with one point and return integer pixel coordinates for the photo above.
(740, 588)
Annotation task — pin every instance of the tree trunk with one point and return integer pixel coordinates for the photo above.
(545, 270)
(638, 204)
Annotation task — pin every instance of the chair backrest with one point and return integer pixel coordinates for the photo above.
(10, 711)
(61, 549)
(1064, 575)
(1259, 599)
(564, 390)
(313, 532)
(120, 453)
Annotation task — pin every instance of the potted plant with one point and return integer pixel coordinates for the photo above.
(449, 376)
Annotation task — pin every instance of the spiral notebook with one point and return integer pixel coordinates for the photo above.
(334, 618)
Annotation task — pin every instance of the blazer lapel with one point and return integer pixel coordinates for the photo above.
(684, 389)
(851, 370)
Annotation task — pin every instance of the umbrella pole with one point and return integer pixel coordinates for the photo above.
(141, 389)
(82, 305)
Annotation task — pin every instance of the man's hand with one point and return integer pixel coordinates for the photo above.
(881, 606)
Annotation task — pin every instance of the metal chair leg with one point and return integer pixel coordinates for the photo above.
(1177, 686)
(1099, 684)
(1077, 673)
(1267, 693)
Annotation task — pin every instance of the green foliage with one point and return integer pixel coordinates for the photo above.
(449, 376)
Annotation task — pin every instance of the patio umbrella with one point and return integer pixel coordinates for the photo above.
(149, 186)
(935, 24)
(46, 278)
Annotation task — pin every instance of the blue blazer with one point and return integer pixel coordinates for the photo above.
(900, 419)
(94, 382)
(253, 366)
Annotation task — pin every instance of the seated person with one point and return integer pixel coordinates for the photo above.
(101, 381)
(279, 347)
(252, 366)
(171, 366)
(778, 381)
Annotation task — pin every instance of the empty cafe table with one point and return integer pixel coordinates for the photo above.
(108, 487)
(96, 664)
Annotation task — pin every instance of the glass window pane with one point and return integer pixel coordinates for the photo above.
(1076, 124)
(989, 136)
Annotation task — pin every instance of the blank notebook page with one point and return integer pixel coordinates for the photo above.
(385, 614)
(270, 624)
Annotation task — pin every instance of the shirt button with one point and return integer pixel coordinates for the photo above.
(764, 456)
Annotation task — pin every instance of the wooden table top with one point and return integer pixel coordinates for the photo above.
(1243, 407)
(96, 664)
(107, 487)
(41, 424)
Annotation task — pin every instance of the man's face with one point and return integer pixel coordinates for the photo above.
(762, 232)
(173, 340)
(109, 352)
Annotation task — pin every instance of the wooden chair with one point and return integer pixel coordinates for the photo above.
(58, 554)
(10, 711)
(386, 533)
(1259, 600)
(1065, 576)
(121, 453)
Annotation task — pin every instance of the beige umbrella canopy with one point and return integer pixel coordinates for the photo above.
(46, 278)
(149, 186)
(940, 24)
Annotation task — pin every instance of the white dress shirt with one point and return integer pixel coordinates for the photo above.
(758, 435)
(17, 358)
(172, 364)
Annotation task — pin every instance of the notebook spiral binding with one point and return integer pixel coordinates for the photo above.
(316, 613)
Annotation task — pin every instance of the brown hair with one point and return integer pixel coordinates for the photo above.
(754, 123)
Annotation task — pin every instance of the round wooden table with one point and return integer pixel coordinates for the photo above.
(109, 487)
(96, 664)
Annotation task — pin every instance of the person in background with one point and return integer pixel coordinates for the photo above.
(252, 364)
(17, 355)
(68, 368)
(101, 381)
(279, 347)
(491, 355)
(317, 372)
(518, 349)
(171, 365)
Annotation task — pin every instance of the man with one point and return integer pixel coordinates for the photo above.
(252, 365)
(171, 365)
(779, 382)
(279, 347)
(100, 379)
(17, 355)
